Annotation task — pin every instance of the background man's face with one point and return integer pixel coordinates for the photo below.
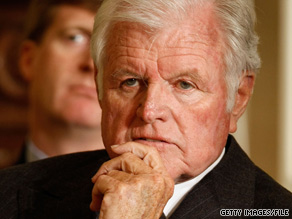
(169, 94)
(61, 70)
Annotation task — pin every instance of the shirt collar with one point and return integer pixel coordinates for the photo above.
(181, 189)
(33, 153)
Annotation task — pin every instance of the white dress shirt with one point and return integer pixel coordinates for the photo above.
(33, 153)
(182, 189)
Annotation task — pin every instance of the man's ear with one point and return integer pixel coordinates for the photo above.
(26, 59)
(242, 98)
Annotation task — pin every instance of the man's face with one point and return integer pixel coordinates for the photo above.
(61, 71)
(169, 93)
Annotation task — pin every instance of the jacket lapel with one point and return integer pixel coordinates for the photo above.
(230, 185)
(234, 178)
(201, 202)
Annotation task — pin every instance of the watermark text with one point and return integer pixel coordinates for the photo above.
(254, 212)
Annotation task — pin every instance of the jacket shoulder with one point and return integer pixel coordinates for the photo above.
(246, 185)
(269, 194)
(58, 175)
(50, 166)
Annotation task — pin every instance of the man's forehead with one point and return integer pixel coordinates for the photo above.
(178, 49)
(198, 27)
(71, 15)
(186, 38)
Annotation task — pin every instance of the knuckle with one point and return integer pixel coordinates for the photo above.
(158, 179)
(100, 180)
(107, 201)
(121, 189)
(105, 167)
(153, 150)
(127, 155)
(163, 183)
(112, 173)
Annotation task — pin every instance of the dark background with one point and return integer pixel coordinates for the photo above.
(13, 95)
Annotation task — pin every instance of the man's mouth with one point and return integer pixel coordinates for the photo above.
(157, 143)
(85, 90)
(150, 140)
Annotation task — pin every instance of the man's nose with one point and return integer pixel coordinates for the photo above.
(86, 63)
(153, 105)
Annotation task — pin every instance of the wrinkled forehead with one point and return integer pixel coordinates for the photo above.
(194, 33)
(201, 25)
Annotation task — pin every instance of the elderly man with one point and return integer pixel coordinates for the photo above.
(64, 114)
(173, 78)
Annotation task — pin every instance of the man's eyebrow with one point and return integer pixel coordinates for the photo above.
(84, 30)
(124, 72)
(193, 74)
(79, 28)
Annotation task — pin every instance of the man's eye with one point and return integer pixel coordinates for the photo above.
(185, 85)
(78, 38)
(132, 82)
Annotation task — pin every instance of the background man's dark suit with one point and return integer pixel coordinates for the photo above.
(61, 188)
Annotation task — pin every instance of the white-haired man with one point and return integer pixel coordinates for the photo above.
(174, 77)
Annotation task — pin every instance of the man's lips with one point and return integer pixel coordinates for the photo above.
(153, 142)
(84, 90)
(150, 140)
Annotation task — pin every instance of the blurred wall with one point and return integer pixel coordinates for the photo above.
(13, 101)
(266, 129)
(263, 110)
(285, 98)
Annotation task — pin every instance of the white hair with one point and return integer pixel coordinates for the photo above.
(236, 16)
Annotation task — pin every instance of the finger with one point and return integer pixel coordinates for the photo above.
(104, 184)
(149, 154)
(127, 162)
(120, 175)
(96, 198)
(96, 201)
(107, 184)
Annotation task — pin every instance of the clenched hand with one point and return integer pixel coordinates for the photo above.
(132, 185)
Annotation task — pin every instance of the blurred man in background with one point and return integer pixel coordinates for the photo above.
(64, 114)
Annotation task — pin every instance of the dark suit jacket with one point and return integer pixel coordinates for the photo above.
(60, 187)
